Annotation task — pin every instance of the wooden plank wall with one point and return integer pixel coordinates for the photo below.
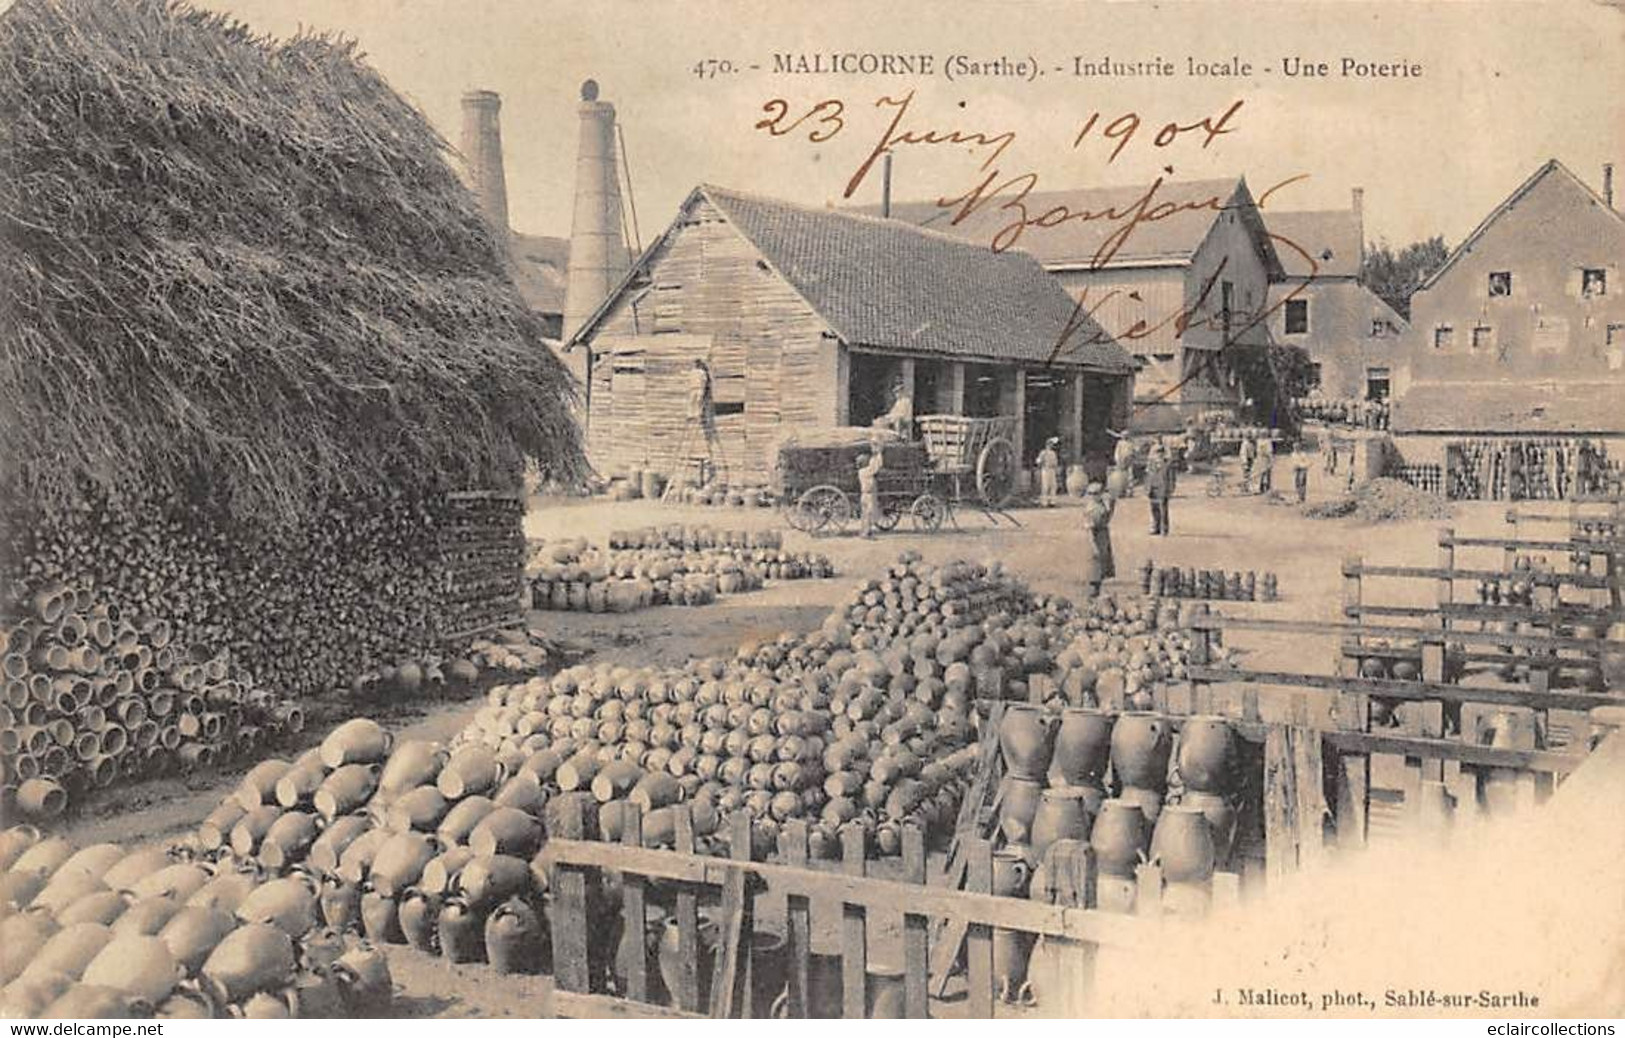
(709, 298)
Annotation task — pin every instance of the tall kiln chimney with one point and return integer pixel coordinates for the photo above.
(482, 151)
(1608, 183)
(598, 256)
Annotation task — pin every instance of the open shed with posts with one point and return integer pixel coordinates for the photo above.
(811, 317)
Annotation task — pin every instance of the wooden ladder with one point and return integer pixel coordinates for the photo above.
(978, 818)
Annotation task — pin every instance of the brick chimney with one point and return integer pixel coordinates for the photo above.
(1608, 183)
(482, 151)
(1357, 205)
(598, 255)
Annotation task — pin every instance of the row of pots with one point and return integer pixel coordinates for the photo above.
(1074, 746)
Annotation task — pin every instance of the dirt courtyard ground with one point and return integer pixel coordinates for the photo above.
(1231, 533)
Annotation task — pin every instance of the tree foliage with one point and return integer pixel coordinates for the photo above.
(1395, 276)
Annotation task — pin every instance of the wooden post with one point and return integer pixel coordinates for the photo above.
(634, 916)
(1353, 776)
(1072, 420)
(731, 990)
(1280, 803)
(843, 384)
(798, 922)
(570, 901)
(1309, 771)
(854, 930)
(951, 390)
(687, 916)
(916, 959)
(979, 936)
(1019, 403)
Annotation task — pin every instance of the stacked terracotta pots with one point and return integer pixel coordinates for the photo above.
(104, 932)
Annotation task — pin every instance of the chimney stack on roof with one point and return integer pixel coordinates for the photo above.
(598, 253)
(1357, 204)
(1608, 183)
(482, 151)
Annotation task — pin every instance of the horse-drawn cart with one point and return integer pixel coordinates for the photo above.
(817, 474)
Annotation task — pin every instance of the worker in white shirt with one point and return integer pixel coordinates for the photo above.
(1049, 472)
(869, 490)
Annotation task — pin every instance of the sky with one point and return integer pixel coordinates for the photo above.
(1504, 86)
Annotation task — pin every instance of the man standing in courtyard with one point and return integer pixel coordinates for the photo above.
(1300, 474)
(1049, 472)
(1159, 487)
(869, 490)
(1266, 465)
(1249, 454)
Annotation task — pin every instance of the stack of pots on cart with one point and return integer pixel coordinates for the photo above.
(1126, 787)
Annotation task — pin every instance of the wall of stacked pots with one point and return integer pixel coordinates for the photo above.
(675, 565)
(1130, 789)
(107, 932)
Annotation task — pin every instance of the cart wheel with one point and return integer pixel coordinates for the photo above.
(927, 513)
(891, 513)
(824, 508)
(996, 472)
(793, 516)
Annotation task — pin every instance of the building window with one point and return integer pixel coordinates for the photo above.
(727, 407)
(1500, 283)
(1314, 374)
(1163, 358)
(1593, 283)
(1483, 338)
(1297, 316)
(1378, 385)
(1379, 328)
(1444, 337)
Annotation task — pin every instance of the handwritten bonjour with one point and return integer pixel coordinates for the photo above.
(999, 193)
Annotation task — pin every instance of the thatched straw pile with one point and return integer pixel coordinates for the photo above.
(243, 270)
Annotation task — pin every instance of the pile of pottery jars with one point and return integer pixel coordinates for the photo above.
(1126, 787)
(1236, 586)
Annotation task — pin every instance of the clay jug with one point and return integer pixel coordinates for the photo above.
(69, 950)
(1149, 801)
(64, 889)
(1083, 743)
(380, 918)
(543, 764)
(94, 860)
(298, 784)
(325, 853)
(42, 797)
(415, 762)
(419, 917)
(1027, 739)
(192, 933)
(357, 741)
(321, 948)
(289, 840)
(400, 862)
(134, 867)
(1063, 814)
(1061, 874)
(263, 1005)
(252, 827)
(103, 906)
(226, 890)
(22, 942)
(14, 842)
(1011, 872)
(1012, 951)
(471, 770)
(141, 967)
(1183, 844)
(506, 830)
(259, 785)
(18, 888)
(185, 1003)
(288, 903)
(488, 880)
(340, 902)
(421, 809)
(27, 999)
(147, 917)
(363, 976)
(1119, 838)
(345, 790)
(1206, 754)
(1141, 743)
(179, 881)
(460, 821)
(523, 791)
(669, 958)
(1221, 820)
(514, 938)
(1019, 803)
(356, 861)
(44, 856)
(461, 930)
(215, 829)
(86, 1002)
(314, 995)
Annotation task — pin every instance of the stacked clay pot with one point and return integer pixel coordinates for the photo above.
(104, 932)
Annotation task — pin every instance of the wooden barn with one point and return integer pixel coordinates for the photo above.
(811, 317)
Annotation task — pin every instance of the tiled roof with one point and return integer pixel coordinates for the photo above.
(1535, 408)
(887, 285)
(1331, 237)
(1093, 216)
(540, 267)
